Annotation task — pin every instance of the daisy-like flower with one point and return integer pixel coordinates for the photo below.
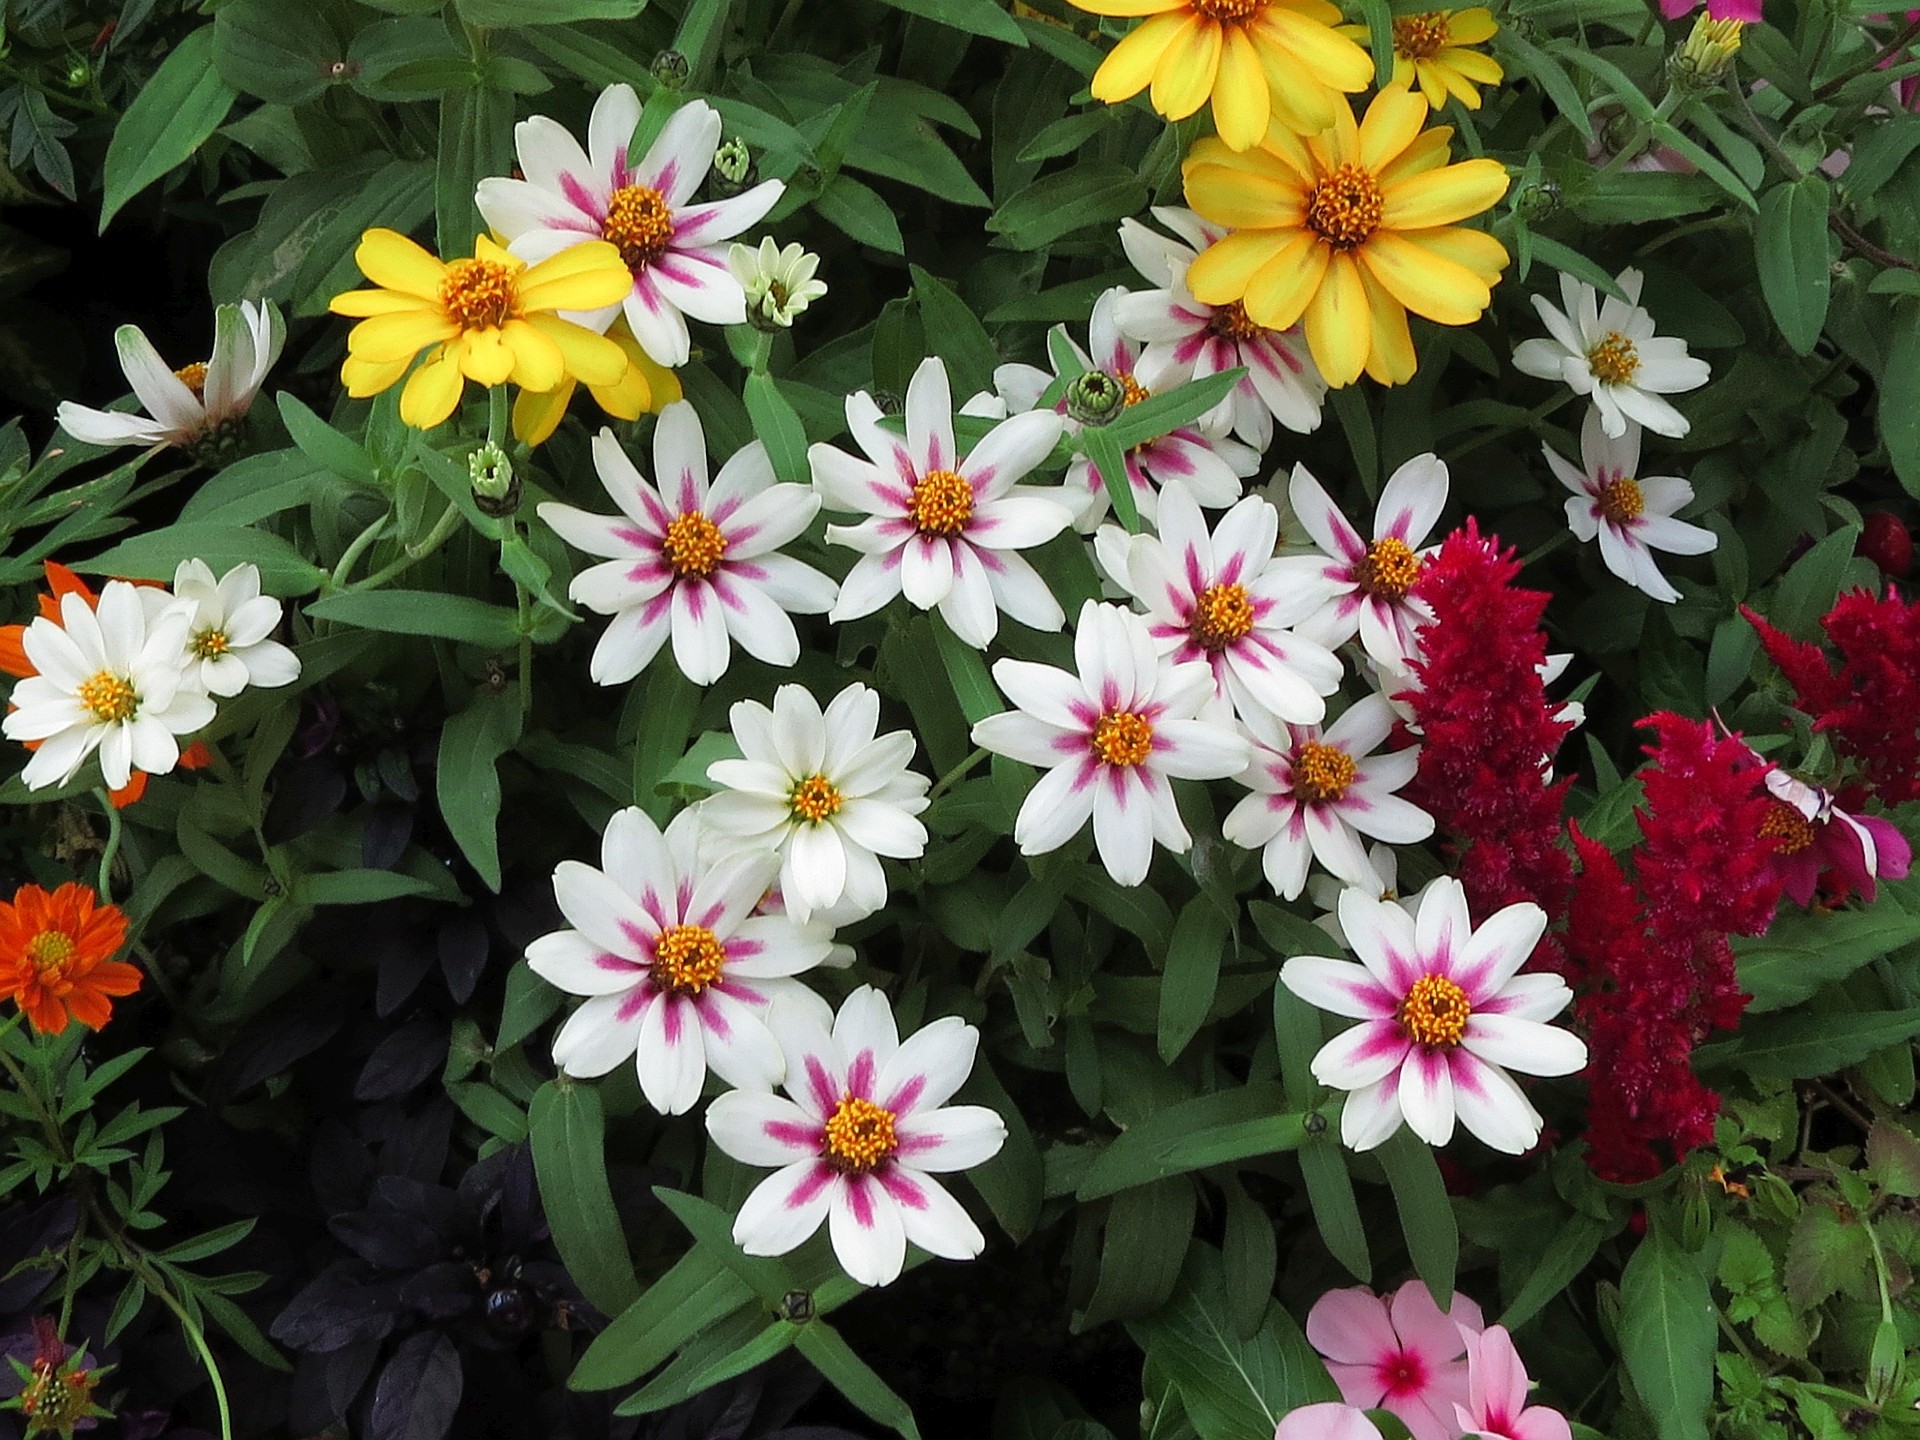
(1186, 340)
(678, 971)
(1225, 600)
(491, 319)
(1348, 231)
(1609, 353)
(56, 957)
(644, 388)
(1405, 1355)
(229, 640)
(675, 264)
(943, 528)
(1496, 1407)
(1432, 50)
(1445, 1014)
(690, 561)
(56, 1392)
(1325, 891)
(1820, 846)
(200, 402)
(1111, 737)
(108, 678)
(823, 791)
(1630, 515)
(1256, 60)
(1315, 795)
(1371, 582)
(778, 282)
(858, 1143)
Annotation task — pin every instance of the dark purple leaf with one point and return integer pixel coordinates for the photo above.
(463, 953)
(441, 1291)
(29, 1232)
(325, 1385)
(338, 1307)
(278, 1040)
(416, 1145)
(386, 831)
(387, 1240)
(403, 1061)
(419, 1391)
(305, 794)
(403, 963)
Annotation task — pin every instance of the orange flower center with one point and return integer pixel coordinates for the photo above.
(1345, 206)
(1222, 615)
(858, 1136)
(1322, 772)
(1230, 322)
(1388, 569)
(194, 377)
(108, 697)
(1435, 1012)
(1422, 36)
(210, 643)
(1614, 361)
(1122, 738)
(1133, 392)
(942, 503)
(478, 294)
(815, 799)
(687, 959)
(640, 224)
(693, 545)
(50, 951)
(1231, 12)
(1791, 830)
(1621, 501)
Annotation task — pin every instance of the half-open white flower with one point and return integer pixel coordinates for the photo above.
(1610, 353)
(1631, 515)
(230, 637)
(778, 281)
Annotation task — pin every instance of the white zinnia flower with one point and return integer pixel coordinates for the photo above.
(1631, 516)
(1112, 737)
(778, 282)
(689, 560)
(229, 639)
(195, 402)
(860, 1140)
(1609, 352)
(678, 971)
(672, 247)
(112, 680)
(1325, 891)
(1445, 1015)
(944, 527)
(820, 790)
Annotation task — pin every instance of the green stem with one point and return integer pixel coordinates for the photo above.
(1527, 422)
(941, 785)
(523, 612)
(356, 549)
(1546, 547)
(443, 529)
(1873, 62)
(111, 850)
(497, 414)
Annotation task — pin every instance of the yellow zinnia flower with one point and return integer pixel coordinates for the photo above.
(1348, 231)
(489, 318)
(1255, 59)
(1430, 48)
(645, 388)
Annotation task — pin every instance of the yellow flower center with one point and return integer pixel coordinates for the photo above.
(639, 223)
(1231, 12)
(109, 698)
(1388, 570)
(1122, 738)
(1435, 1012)
(1230, 322)
(687, 959)
(815, 799)
(478, 294)
(1792, 831)
(57, 1402)
(210, 643)
(50, 951)
(1133, 392)
(693, 545)
(1621, 501)
(942, 503)
(194, 377)
(1422, 36)
(1222, 615)
(1322, 772)
(858, 1136)
(1345, 206)
(1614, 361)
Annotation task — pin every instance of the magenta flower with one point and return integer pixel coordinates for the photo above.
(1822, 847)
(1747, 10)
(1404, 1355)
(1496, 1407)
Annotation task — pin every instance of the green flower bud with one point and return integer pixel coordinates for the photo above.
(672, 69)
(1095, 397)
(496, 489)
(733, 161)
(1537, 201)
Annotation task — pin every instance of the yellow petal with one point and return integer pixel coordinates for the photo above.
(1455, 84)
(1475, 249)
(1283, 143)
(1124, 8)
(1301, 105)
(1424, 281)
(368, 377)
(1482, 69)
(1184, 78)
(588, 276)
(1392, 360)
(1428, 152)
(1339, 329)
(1322, 12)
(399, 336)
(1471, 27)
(1281, 290)
(484, 357)
(1219, 275)
(646, 386)
(538, 363)
(379, 302)
(1433, 85)
(1392, 121)
(1241, 197)
(393, 262)
(1240, 94)
(1127, 71)
(537, 413)
(588, 357)
(1318, 49)
(432, 391)
(1443, 196)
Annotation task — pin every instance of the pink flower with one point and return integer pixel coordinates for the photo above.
(1820, 846)
(1496, 1405)
(1747, 10)
(1403, 1355)
(1326, 1421)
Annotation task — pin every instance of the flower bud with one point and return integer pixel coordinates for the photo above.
(496, 489)
(1707, 53)
(1887, 542)
(732, 166)
(1095, 397)
(778, 282)
(1537, 200)
(672, 69)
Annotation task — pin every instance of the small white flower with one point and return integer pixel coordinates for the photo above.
(1445, 1015)
(1609, 352)
(820, 790)
(678, 971)
(860, 1140)
(778, 282)
(1186, 340)
(1632, 516)
(943, 528)
(1325, 891)
(671, 246)
(1112, 737)
(112, 680)
(195, 401)
(229, 637)
(690, 561)
(1314, 796)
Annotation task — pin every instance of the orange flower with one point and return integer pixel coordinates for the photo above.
(56, 957)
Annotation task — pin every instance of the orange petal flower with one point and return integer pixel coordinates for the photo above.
(56, 957)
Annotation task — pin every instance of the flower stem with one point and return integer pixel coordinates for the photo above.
(941, 785)
(442, 530)
(356, 549)
(496, 414)
(111, 850)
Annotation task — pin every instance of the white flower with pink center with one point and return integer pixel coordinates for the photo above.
(1113, 737)
(1497, 1385)
(1405, 1355)
(943, 528)
(1630, 515)
(861, 1136)
(676, 250)
(1371, 580)
(1315, 794)
(1186, 340)
(677, 968)
(1225, 600)
(690, 561)
(1444, 1013)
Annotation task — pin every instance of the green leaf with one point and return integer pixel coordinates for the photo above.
(779, 429)
(713, 1227)
(1252, 1257)
(466, 782)
(1092, 193)
(859, 211)
(169, 119)
(357, 887)
(1804, 950)
(977, 17)
(1426, 1214)
(1013, 1183)
(1899, 417)
(1798, 1045)
(1110, 464)
(422, 612)
(476, 140)
(1667, 1335)
(501, 13)
(1157, 415)
(667, 709)
(967, 672)
(1148, 1228)
(275, 51)
(955, 334)
(1323, 1165)
(855, 1379)
(1192, 974)
(1570, 1253)
(324, 445)
(697, 1292)
(155, 554)
(1790, 246)
(567, 1134)
(1214, 1129)
(1807, 591)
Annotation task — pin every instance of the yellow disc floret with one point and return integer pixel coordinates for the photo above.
(687, 959)
(942, 503)
(639, 223)
(50, 951)
(478, 294)
(1435, 1012)
(1621, 501)
(693, 545)
(858, 1136)
(1345, 207)
(1388, 570)
(1122, 738)
(1221, 615)
(1422, 36)
(109, 697)
(1791, 831)
(1322, 772)
(815, 799)
(1613, 360)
